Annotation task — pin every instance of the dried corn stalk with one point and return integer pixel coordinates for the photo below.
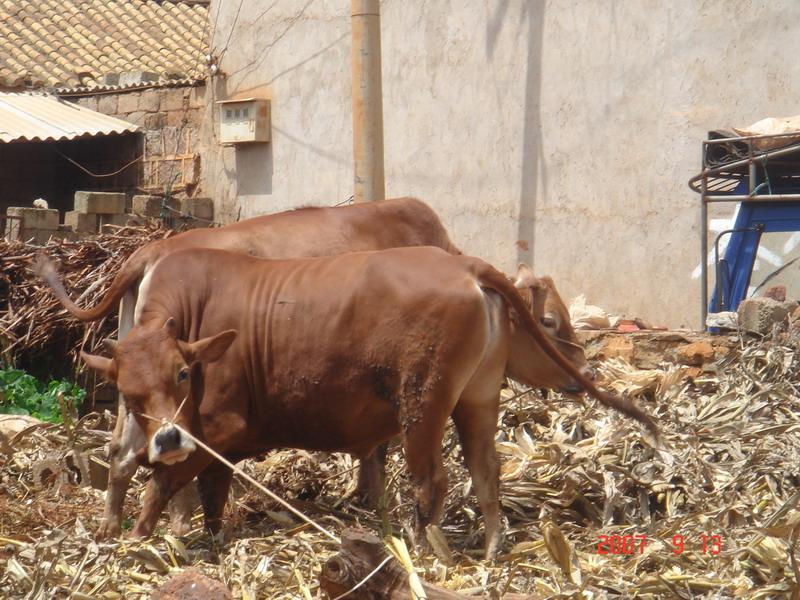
(727, 468)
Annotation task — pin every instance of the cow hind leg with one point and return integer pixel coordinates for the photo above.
(476, 423)
(422, 444)
(371, 477)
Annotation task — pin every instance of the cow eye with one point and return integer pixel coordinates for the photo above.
(183, 375)
(549, 322)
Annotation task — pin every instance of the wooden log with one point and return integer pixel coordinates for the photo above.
(361, 552)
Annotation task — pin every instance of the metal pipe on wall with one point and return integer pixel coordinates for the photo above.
(367, 101)
(756, 198)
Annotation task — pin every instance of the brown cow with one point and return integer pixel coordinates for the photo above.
(304, 232)
(336, 354)
(310, 231)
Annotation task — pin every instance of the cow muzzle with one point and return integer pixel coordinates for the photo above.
(169, 446)
(577, 388)
(572, 388)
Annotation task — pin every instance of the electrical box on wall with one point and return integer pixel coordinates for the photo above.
(243, 121)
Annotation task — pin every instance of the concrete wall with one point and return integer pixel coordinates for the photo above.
(559, 133)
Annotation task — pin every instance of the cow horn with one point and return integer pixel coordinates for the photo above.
(110, 345)
(525, 277)
(170, 326)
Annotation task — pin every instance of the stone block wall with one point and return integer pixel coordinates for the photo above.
(93, 210)
(34, 225)
(170, 120)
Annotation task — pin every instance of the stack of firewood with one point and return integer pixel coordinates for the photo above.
(36, 333)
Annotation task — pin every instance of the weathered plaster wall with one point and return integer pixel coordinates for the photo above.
(559, 133)
(298, 55)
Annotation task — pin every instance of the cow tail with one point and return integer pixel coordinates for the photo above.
(489, 277)
(132, 270)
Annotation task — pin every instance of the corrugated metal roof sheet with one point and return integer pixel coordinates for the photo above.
(28, 117)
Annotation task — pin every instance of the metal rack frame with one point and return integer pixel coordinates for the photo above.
(716, 184)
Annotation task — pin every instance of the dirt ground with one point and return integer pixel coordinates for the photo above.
(710, 512)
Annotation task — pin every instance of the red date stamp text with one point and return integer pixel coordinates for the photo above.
(707, 543)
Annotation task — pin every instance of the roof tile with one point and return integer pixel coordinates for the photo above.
(52, 39)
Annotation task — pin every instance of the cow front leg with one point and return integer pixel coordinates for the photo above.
(126, 440)
(372, 477)
(476, 426)
(181, 507)
(164, 483)
(214, 484)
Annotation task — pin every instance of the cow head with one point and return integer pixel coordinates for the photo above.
(528, 363)
(154, 371)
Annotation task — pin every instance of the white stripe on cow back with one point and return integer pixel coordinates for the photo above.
(141, 300)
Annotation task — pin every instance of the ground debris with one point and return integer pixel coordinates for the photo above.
(594, 509)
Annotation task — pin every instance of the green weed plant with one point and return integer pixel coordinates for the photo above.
(23, 394)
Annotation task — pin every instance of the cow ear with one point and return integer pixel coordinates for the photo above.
(106, 367)
(208, 349)
(525, 277)
(547, 281)
(540, 285)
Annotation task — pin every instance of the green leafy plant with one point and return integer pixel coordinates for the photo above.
(23, 394)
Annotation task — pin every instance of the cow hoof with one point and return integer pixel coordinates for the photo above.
(495, 541)
(136, 532)
(180, 526)
(491, 554)
(180, 529)
(217, 538)
(107, 531)
(366, 499)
